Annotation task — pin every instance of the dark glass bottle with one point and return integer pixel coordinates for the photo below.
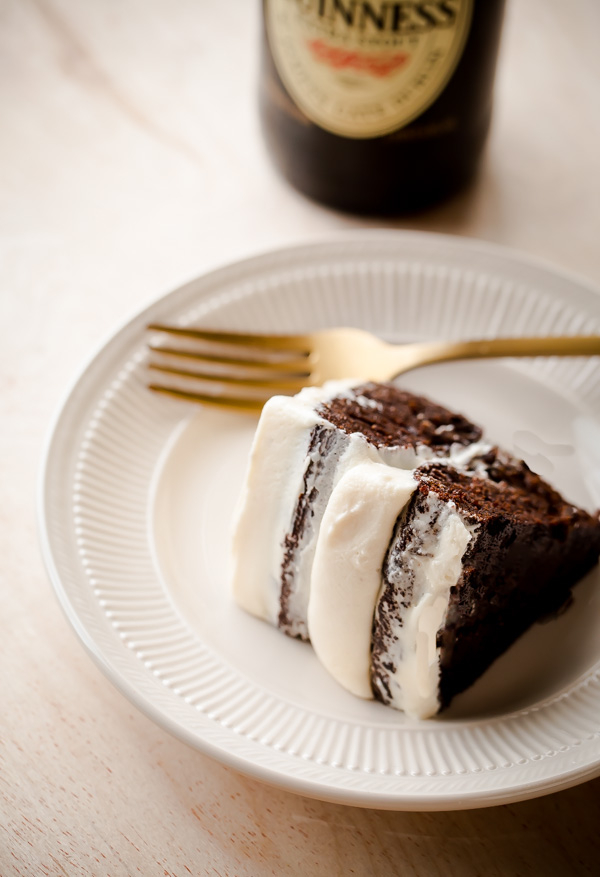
(378, 107)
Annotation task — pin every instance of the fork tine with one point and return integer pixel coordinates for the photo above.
(244, 376)
(295, 366)
(297, 343)
(281, 385)
(229, 403)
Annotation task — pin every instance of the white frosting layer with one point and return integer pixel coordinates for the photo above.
(354, 451)
(346, 574)
(347, 580)
(272, 485)
(433, 567)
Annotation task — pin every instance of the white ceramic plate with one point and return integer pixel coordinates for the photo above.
(136, 503)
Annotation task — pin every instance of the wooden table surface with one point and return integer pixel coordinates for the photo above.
(131, 161)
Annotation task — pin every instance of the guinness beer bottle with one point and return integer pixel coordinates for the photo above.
(378, 106)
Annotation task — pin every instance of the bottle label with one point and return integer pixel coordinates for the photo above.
(364, 68)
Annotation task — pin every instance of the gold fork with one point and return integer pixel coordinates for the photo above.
(240, 371)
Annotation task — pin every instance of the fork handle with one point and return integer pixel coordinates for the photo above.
(444, 351)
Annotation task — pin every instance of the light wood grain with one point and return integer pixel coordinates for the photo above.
(131, 161)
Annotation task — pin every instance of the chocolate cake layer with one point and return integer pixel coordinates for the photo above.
(395, 417)
(531, 548)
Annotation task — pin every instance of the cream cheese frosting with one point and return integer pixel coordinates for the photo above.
(273, 482)
(428, 565)
(346, 576)
(355, 534)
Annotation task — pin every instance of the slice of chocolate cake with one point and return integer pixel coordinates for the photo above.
(410, 552)
(302, 447)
